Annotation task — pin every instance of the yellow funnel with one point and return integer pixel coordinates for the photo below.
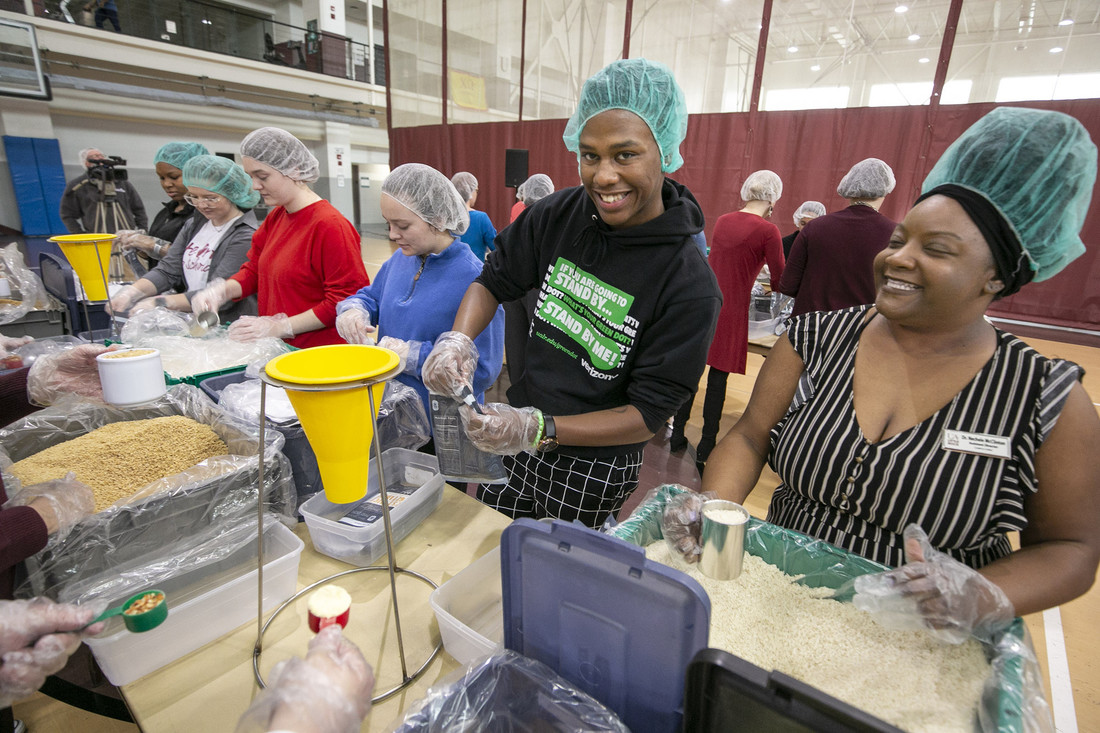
(90, 257)
(336, 421)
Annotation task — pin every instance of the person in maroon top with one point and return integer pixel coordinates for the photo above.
(742, 242)
(831, 262)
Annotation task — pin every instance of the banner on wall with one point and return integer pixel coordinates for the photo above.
(468, 90)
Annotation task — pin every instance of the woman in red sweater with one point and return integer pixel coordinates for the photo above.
(305, 257)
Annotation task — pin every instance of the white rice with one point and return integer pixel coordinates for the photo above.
(906, 678)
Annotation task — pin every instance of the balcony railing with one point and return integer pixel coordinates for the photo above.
(231, 31)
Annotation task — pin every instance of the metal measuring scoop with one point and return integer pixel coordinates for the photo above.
(203, 322)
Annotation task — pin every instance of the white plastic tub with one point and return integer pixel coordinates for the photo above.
(470, 611)
(202, 606)
(412, 479)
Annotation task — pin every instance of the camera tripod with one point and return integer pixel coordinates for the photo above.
(109, 218)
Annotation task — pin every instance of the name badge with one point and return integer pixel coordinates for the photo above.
(981, 444)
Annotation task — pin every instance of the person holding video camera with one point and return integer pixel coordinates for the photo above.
(101, 200)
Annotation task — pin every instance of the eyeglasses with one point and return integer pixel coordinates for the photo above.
(203, 200)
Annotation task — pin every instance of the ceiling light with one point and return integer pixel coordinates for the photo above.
(901, 9)
(1056, 49)
(923, 60)
(815, 67)
(914, 36)
(1066, 21)
(207, 22)
(792, 49)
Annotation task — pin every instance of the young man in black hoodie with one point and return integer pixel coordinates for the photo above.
(626, 308)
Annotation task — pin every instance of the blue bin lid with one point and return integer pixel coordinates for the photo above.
(594, 609)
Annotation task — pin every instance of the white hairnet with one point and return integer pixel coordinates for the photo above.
(465, 183)
(282, 151)
(762, 186)
(534, 188)
(868, 179)
(427, 193)
(812, 209)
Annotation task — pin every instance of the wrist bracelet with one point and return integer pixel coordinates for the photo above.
(542, 425)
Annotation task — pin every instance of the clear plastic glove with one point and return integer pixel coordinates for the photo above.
(327, 692)
(501, 429)
(72, 371)
(9, 344)
(125, 298)
(36, 639)
(62, 503)
(407, 351)
(251, 328)
(682, 524)
(451, 365)
(353, 322)
(936, 592)
(143, 305)
(212, 297)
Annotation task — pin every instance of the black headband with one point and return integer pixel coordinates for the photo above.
(1013, 268)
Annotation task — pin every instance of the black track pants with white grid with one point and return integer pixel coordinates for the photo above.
(564, 487)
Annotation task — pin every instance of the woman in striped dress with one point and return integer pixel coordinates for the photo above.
(912, 430)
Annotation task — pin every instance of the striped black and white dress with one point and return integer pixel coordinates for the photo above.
(859, 495)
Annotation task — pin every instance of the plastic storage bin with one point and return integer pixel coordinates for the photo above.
(303, 462)
(469, 610)
(36, 323)
(412, 475)
(202, 606)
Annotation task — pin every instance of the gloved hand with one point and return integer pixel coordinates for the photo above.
(451, 365)
(137, 239)
(212, 297)
(143, 305)
(64, 372)
(125, 298)
(682, 524)
(353, 322)
(9, 344)
(250, 328)
(36, 639)
(407, 351)
(501, 429)
(327, 692)
(936, 592)
(62, 502)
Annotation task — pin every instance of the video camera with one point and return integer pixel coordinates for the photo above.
(110, 168)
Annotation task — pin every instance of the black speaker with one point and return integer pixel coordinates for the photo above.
(515, 167)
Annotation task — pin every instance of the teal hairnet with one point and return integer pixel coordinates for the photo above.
(427, 193)
(762, 185)
(1037, 168)
(177, 154)
(646, 88)
(221, 176)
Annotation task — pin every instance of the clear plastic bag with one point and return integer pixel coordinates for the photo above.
(185, 356)
(1013, 699)
(508, 692)
(459, 459)
(168, 525)
(25, 291)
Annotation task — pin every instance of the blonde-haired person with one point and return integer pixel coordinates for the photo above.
(743, 241)
(213, 245)
(305, 257)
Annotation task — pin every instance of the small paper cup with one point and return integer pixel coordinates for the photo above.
(328, 605)
(131, 376)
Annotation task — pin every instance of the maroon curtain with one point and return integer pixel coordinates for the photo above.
(810, 150)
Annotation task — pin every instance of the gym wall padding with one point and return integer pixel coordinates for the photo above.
(811, 151)
(38, 179)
